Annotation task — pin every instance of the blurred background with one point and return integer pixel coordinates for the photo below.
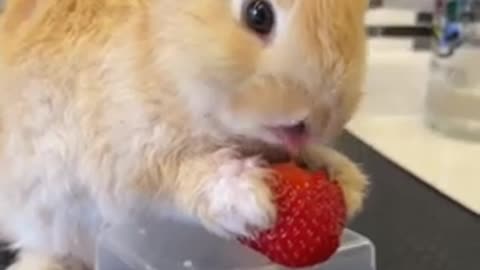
(417, 134)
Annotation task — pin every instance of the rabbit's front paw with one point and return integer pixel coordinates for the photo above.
(351, 178)
(239, 200)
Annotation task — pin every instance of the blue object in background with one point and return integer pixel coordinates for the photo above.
(449, 39)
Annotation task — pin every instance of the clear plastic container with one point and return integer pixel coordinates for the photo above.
(167, 244)
(453, 96)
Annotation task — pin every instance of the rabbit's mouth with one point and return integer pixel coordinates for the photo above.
(293, 137)
(277, 143)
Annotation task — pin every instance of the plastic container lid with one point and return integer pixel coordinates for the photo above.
(167, 244)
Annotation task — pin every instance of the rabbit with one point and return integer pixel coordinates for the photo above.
(107, 105)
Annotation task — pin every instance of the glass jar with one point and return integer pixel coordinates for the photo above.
(453, 94)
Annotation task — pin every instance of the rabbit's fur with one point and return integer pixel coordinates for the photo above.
(110, 104)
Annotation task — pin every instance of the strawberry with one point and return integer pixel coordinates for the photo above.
(311, 218)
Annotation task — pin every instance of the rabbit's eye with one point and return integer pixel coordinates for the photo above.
(259, 16)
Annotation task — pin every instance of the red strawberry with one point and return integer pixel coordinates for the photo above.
(311, 218)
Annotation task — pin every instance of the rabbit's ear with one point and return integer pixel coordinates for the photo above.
(19, 12)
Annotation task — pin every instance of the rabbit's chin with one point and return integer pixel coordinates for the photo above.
(273, 153)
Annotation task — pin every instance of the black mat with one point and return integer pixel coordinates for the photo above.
(5, 257)
(413, 226)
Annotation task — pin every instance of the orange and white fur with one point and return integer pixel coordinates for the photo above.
(108, 104)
